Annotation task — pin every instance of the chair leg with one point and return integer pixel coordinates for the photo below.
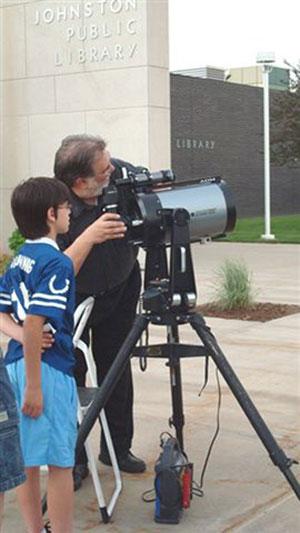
(105, 510)
(114, 462)
(96, 480)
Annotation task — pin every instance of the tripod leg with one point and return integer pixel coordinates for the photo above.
(276, 453)
(110, 380)
(177, 419)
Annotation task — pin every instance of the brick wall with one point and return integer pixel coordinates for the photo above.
(217, 130)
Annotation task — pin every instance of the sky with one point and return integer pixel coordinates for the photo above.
(230, 33)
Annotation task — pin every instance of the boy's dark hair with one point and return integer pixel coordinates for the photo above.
(76, 156)
(30, 202)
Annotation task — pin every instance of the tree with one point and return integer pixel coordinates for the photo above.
(285, 122)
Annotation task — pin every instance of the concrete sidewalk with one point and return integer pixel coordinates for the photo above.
(243, 490)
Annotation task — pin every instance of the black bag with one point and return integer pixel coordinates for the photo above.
(168, 481)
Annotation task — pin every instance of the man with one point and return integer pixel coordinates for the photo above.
(109, 271)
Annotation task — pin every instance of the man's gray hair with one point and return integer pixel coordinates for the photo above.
(76, 156)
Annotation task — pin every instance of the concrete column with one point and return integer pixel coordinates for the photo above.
(76, 66)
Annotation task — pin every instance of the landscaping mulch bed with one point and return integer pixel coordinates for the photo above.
(259, 312)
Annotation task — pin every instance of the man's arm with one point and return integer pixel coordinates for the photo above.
(108, 226)
(32, 346)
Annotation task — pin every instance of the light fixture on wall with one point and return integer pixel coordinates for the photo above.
(266, 59)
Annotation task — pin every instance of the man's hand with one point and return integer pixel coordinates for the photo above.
(33, 402)
(108, 226)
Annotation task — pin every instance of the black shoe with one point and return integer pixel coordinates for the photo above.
(127, 463)
(80, 472)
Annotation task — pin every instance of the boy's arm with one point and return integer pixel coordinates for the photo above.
(32, 346)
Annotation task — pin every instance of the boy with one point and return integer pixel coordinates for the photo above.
(37, 292)
(11, 461)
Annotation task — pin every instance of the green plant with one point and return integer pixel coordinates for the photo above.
(15, 241)
(234, 286)
(4, 262)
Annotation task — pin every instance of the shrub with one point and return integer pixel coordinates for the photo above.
(15, 241)
(234, 286)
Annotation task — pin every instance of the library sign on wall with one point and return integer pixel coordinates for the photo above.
(85, 35)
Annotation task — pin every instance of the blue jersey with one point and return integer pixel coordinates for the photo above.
(40, 281)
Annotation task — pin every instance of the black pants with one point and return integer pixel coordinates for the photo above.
(110, 322)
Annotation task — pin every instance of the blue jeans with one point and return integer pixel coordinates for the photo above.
(11, 460)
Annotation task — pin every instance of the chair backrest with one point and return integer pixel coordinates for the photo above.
(81, 316)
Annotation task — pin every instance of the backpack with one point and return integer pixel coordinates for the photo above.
(172, 482)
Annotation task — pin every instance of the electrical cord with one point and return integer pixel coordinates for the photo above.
(196, 490)
(143, 358)
(199, 486)
(205, 376)
(149, 496)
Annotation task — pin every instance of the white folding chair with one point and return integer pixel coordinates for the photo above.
(85, 397)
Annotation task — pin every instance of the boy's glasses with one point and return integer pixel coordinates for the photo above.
(66, 206)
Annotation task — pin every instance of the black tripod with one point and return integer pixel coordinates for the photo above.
(169, 299)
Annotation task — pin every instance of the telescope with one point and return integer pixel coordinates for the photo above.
(146, 199)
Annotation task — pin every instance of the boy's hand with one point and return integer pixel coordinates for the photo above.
(47, 340)
(108, 226)
(33, 402)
